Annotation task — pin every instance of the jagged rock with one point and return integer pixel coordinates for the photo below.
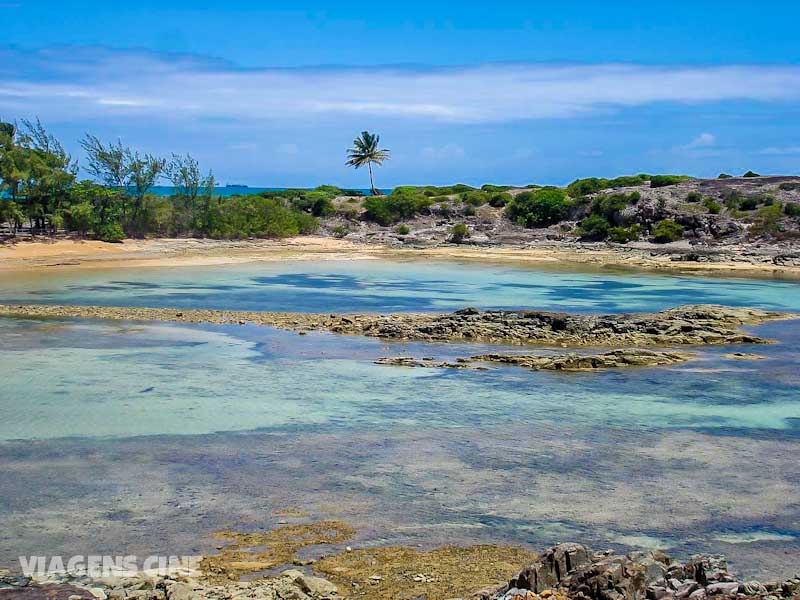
(551, 568)
(724, 588)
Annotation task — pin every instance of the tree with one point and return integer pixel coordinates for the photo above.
(184, 173)
(143, 172)
(109, 164)
(49, 173)
(13, 160)
(365, 151)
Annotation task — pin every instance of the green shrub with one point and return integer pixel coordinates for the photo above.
(667, 231)
(458, 233)
(403, 229)
(788, 186)
(257, 216)
(712, 205)
(80, 217)
(317, 202)
(751, 174)
(724, 176)
(110, 232)
(594, 227)
(792, 209)
(611, 204)
(694, 197)
(767, 220)
(749, 203)
(731, 198)
(592, 185)
(623, 235)
(500, 199)
(538, 208)
(475, 198)
(657, 181)
(469, 210)
(402, 203)
(340, 231)
(495, 188)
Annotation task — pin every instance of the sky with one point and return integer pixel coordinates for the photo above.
(272, 93)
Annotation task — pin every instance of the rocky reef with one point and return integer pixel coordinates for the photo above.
(701, 324)
(573, 361)
(565, 572)
(574, 571)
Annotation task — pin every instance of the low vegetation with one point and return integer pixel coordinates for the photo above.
(667, 231)
(40, 191)
(39, 182)
(538, 208)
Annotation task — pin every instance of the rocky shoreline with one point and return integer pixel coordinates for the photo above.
(568, 571)
(690, 325)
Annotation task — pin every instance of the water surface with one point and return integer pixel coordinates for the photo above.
(139, 438)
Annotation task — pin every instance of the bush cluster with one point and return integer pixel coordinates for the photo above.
(592, 185)
(712, 206)
(458, 233)
(623, 235)
(791, 209)
(667, 231)
(538, 208)
(657, 181)
(694, 197)
(403, 203)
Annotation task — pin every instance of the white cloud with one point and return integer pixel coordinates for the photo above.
(704, 140)
(780, 151)
(79, 84)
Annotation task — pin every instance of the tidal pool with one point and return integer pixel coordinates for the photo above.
(142, 438)
(386, 286)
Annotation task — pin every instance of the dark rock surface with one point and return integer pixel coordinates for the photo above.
(574, 571)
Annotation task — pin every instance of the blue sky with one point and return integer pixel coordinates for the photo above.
(273, 92)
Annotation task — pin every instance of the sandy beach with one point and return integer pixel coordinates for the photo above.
(27, 255)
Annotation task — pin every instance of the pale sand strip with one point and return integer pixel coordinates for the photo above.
(193, 252)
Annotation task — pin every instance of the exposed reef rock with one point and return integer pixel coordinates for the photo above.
(576, 572)
(615, 359)
(684, 325)
(565, 572)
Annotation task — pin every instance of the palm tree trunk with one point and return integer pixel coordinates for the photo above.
(371, 182)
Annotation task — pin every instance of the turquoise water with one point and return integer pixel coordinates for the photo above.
(383, 286)
(147, 437)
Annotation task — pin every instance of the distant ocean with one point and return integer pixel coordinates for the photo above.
(234, 190)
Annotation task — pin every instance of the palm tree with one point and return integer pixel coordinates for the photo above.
(365, 151)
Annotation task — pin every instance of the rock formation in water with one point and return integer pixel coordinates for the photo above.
(701, 324)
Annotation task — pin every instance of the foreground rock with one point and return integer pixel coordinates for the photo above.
(575, 571)
(684, 325)
(565, 572)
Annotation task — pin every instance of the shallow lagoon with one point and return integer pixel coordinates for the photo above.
(142, 438)
(386, 286)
